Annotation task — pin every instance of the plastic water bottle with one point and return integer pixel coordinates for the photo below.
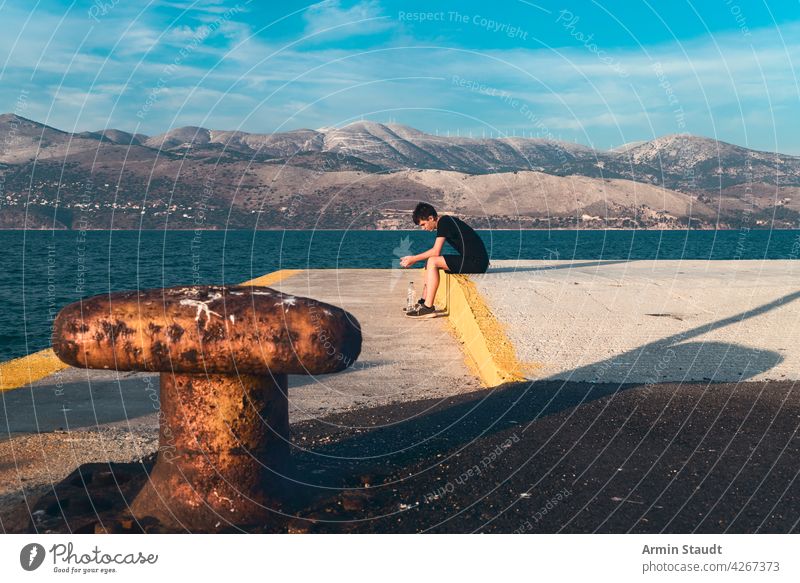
(410, 299)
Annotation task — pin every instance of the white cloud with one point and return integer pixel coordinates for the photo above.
(208, 6)
(330, 20)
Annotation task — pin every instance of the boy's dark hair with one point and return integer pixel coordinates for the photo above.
(423, 211)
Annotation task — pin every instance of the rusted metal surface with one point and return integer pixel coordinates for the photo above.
(241, 329)
(223, 452)
(224, 354)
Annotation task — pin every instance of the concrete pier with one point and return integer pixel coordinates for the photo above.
(643, 396)
(649, 321)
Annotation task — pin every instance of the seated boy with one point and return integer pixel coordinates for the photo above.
(472, 256)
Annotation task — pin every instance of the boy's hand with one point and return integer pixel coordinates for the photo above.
(407, 261)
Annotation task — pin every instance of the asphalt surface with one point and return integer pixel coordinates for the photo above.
(543, 457)
(562, 457)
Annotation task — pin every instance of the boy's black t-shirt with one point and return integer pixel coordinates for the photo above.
(463, 238)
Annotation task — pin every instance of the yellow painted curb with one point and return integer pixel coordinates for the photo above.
(274, 277)
(19, 372)
(488, 350)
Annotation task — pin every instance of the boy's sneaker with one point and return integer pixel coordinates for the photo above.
(422, 311)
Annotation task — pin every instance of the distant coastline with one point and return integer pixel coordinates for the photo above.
(368, 176)
(326, 229)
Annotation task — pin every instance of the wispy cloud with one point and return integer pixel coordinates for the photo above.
(329, 20)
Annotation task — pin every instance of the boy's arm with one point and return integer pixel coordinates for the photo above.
(434, 251)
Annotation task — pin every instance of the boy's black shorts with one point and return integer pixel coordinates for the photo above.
(460, 264)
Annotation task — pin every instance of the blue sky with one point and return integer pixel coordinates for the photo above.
(599, 73)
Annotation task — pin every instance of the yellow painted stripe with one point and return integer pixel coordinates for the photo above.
(22, 371)
(274, 277)
(489, 352)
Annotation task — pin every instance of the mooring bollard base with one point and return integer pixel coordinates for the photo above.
(223, 453)
(224, 418)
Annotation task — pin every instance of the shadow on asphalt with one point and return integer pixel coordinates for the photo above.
(482, 413)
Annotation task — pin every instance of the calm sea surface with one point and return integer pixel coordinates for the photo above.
(43, 271)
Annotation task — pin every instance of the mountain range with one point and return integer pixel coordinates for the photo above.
(368, 175)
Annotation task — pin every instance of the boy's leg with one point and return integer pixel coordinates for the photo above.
(432, 278)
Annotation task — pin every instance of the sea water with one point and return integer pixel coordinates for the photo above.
(42, 271)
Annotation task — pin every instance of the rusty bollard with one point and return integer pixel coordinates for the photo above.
(224, 354)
